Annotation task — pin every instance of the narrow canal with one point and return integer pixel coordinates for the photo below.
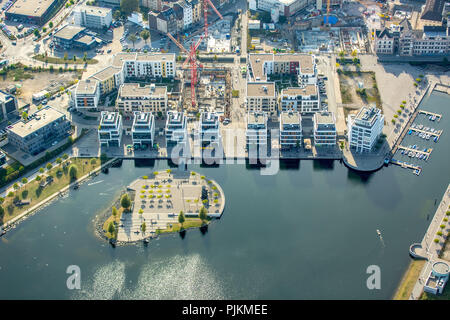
(308, 232)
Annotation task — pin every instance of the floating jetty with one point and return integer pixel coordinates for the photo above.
(435, 134)
(426, 153)
(416, 169)
(428, 113)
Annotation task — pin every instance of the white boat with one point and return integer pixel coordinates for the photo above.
(418, 155)
(378, 233)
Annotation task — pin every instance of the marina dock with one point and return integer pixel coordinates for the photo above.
(428, 113)
(426, 153)
(435, 134)
(417, 169)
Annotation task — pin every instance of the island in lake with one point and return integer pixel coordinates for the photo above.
(163, 202)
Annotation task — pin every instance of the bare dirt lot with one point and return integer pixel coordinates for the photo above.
(32, 82)
(358, 89)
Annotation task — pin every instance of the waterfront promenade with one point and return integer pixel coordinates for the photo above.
(11, 222)
(430, 248)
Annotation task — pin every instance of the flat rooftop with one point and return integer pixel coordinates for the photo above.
(290, 118)
(324, 118)
(35, 121)
(256, 118)
(30, 8)
(95, 11)
(85, 40)
(69, 32)
(367, 114)
(106, 73)
(87, 86)
(108, 118)
(308, 90)
(142, 118)
(155, 57)
(261, 89)
(257, 62)
(174, 117)
(209, 118)
(135, 90)
(119, 58)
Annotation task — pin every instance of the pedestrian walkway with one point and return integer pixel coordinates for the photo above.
(432, 248)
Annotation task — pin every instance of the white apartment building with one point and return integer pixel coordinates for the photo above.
(208, 128)
(110, 129)
(290, 130)
(324, 129)
(146, 65)
(284, 7)
(143, 129)
(262, 65)
(86, 94)
(93, 17)
(149, 98)
(257, 131)
(365, 128)
(262, 97)
(303, 100)
(187, 14)
(176, 127)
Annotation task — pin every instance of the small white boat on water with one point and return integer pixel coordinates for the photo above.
(378, 233)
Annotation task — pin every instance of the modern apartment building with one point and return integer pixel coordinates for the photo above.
(197, 12)
(284, 7)
(146, 65)
(324, 129)
(40, 131)
(93, 17)
(143, 129)
(208, 128)
(262, 65)
(290, 130)
(109, 79)
(149, 98)
(257, 131)
(176, 128)
(262, 97)
(365, 128)
(86, 94)
(303, 100)
(8, 105)
(110, 129)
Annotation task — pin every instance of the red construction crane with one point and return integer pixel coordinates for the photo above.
(205, 10)
(192, 60)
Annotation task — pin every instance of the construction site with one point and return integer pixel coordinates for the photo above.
(204, 89)
(212, 92)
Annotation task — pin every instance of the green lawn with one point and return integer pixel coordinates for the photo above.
(33, 192)
(69, 60)
(189, 223)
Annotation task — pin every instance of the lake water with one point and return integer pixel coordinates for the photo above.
(308, 232)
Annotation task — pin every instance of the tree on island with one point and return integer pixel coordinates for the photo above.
(125, 202)
(203, 214)
(181, 218)
(111, 228)
(114, 212)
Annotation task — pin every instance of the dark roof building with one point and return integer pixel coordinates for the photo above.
(433, 10)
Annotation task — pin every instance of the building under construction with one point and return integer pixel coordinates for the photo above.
(212, 94)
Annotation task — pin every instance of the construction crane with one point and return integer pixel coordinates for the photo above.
(192, 60)
(205, 11)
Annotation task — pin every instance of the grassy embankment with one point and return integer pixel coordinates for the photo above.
(56, 60)
(188, 223)
(34, 193)
(409, 280)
